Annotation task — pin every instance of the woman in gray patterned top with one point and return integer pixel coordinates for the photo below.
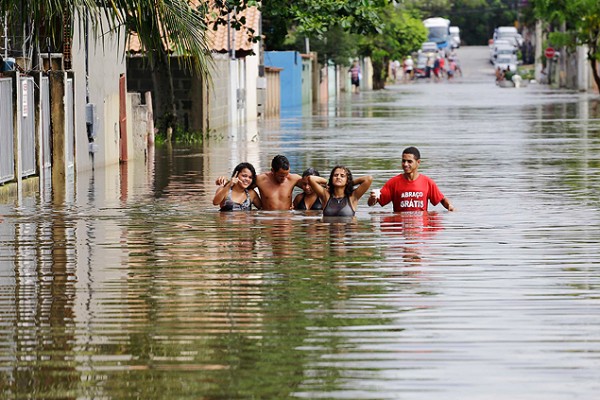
(238, 193)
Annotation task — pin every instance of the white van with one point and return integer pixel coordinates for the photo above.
(455, 35)
(509, 33)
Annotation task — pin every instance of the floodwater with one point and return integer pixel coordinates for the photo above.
(132, 285)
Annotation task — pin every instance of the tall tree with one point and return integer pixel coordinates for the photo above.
(582, 20)
(403, 34)
(315, 17)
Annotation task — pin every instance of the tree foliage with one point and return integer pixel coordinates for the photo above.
(403, 34)
(315, 17)
(336, 45)
(582, 20)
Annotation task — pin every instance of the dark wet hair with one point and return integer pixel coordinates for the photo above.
(414, 151)
(280, 162)
(309, 172)
(245, 165)
(349, 183)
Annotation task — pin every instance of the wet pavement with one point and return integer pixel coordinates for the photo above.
(134, 286)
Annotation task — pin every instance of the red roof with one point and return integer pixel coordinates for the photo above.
(217, 39)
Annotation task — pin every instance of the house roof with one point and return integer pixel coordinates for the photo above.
(239, 38)
(218, 39)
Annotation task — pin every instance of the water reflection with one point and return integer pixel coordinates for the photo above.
(407, 235)
(133, 285)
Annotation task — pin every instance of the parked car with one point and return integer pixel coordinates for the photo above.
(497, 44)
(506, 61)
(503, 50)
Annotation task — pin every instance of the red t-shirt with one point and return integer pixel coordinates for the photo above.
(410, 195)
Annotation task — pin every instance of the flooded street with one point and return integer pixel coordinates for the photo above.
(134, 286)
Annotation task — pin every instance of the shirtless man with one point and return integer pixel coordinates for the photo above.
(276, 186)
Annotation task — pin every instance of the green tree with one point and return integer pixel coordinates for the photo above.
(336, 45)
(403, 34)
(582, 20)
(315, 17)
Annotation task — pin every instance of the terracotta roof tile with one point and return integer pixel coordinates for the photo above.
(217, 39)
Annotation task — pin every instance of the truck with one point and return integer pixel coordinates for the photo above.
(438, 31)
(455, 36)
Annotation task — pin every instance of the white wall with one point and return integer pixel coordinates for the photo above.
(219, 92)
(106, 62)
(252, 63)
(236, 76)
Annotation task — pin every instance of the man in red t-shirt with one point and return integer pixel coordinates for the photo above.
(410, 191)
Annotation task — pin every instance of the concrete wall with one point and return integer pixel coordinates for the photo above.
(188, 89)
(137, 127)
(306, 84)
(273, 93)
(290, 76)
(105, 63)
(228, 97)
(218, 93)
(252, 63)
(332, 82)
(324, 85)
(367, 74)
(237, 87)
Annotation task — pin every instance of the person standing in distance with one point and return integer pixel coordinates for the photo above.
(355, 76)
(411, 190)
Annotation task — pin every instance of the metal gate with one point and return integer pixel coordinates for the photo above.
(46, 158)
(70, 125)
(27, 126)
(7, 157)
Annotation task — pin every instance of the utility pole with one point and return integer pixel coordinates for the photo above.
(562, 74)
(5, 36)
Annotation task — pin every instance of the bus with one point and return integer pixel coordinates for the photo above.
(438, 31)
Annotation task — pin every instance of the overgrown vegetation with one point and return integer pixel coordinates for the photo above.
(182, 136)
(403, 33)
(574, 23)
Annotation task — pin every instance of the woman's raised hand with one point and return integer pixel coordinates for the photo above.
(234, 179)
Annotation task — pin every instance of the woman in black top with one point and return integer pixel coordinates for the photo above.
(308, 199)
(340, 197)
